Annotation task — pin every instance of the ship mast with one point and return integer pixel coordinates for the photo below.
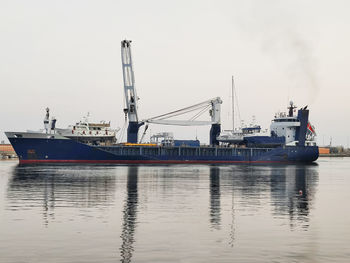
(233, 105)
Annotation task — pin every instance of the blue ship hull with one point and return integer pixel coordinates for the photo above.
(63, 150)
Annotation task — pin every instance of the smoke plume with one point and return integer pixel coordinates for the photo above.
(277, 26)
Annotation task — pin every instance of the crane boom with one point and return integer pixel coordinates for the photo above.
(214, 105)
(180, 122)
(131, 97)
(129, 81)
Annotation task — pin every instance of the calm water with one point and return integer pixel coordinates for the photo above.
(175, 213)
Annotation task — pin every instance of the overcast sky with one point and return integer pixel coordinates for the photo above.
(66, 55)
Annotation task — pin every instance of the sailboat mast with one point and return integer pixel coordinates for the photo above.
(233, 105)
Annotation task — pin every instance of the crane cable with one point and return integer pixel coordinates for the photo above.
(182, 111)
(176, 113)
(199, 113)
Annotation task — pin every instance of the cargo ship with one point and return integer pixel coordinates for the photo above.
(291, 138)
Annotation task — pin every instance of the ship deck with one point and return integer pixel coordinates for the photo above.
(181, 151)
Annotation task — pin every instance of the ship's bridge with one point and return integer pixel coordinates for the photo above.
(284, 126)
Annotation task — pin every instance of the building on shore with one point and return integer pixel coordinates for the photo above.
(7, 151)
(333, 151)
(324, 150)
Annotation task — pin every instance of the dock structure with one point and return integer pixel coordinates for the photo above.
(329, 151)
(7, 151)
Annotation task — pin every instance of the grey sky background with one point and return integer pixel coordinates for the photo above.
(66, 55)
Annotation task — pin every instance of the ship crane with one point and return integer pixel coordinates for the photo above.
(212, 105)
(131, 107)
(130, 94)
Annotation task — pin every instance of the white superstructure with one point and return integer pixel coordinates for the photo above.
(286, 125)
(83, 131)
(91, 133)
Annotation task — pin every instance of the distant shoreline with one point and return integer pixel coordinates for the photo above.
(335, 155)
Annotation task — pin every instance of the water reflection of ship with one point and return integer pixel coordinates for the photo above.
(215, 203)
(129, 215)
(292, 193)
(291, 187)
(215, 217)
(50, 187)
